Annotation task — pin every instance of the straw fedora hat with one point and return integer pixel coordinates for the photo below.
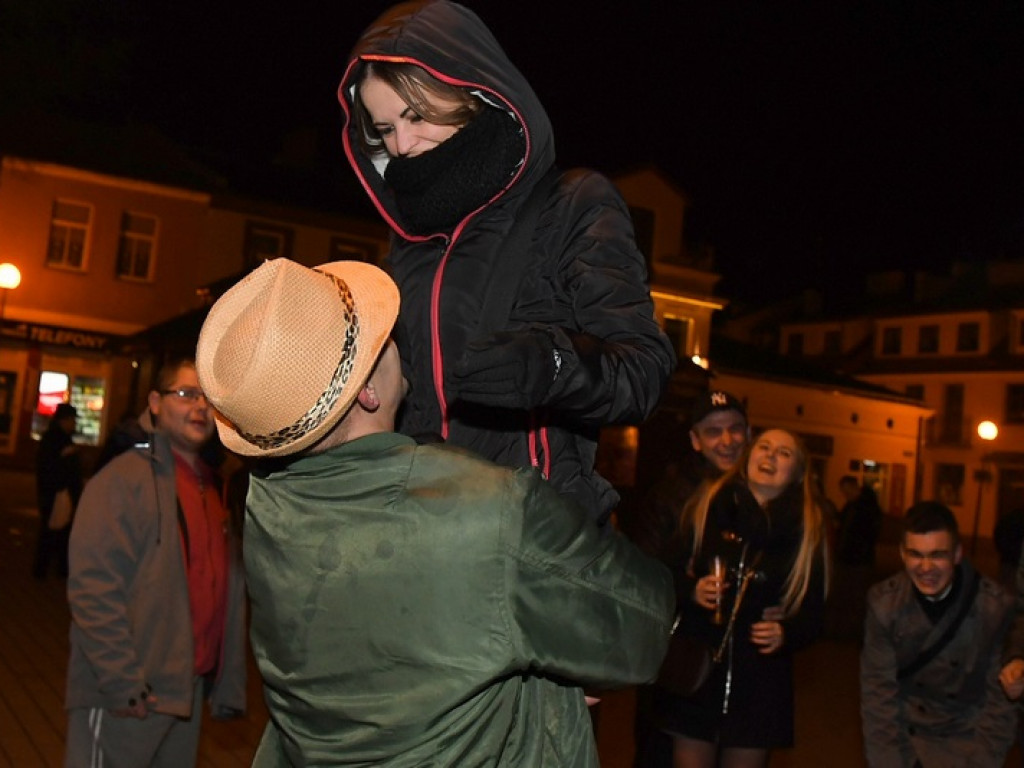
(283, 354)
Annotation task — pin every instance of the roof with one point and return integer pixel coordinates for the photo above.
(121, 149)
(142, 152)
(732, 356)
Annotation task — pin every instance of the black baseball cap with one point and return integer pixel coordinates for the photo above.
(710, 402)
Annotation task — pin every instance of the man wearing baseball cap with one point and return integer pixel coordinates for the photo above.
(718, 434)
(411, 604)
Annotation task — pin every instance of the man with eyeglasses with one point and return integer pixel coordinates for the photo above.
(156, 593)
(929, 671)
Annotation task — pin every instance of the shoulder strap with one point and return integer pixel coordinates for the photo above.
(930, 653)
(502, 289)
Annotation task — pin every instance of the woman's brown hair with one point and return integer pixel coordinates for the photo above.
(417, 88)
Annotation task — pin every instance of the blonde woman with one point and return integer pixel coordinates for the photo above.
(762, 521)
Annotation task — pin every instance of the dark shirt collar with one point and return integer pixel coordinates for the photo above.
(935, 608)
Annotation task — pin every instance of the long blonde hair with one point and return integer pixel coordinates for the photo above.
(695, 515)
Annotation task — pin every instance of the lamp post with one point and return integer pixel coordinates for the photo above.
(987, 431)
(10, 277)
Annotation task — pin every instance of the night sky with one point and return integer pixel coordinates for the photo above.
(815, 140)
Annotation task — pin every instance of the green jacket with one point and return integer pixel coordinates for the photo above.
(417, 606)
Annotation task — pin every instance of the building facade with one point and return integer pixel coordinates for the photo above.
(850, 427)
(955, 343)
(102, 258)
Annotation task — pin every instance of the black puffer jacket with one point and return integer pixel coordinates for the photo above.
(583, 279)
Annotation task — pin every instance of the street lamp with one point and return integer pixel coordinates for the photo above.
(987, 431)
(10, 277)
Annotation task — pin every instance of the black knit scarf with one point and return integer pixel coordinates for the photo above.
(436, 189)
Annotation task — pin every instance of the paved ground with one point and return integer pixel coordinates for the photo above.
(33, 653)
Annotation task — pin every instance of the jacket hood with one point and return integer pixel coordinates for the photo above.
(452, 44)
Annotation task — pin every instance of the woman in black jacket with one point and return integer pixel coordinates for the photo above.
(526, 321)
(764, 523)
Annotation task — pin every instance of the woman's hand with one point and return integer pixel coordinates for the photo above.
(709, 591)
(767, 634)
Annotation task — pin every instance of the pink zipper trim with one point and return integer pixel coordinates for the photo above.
(532, 436)
(436, 351)
(436, 357)
(547, 452)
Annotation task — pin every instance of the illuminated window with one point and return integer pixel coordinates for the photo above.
(69, 234)
(137, 249)
(54, 389)
(86, 393)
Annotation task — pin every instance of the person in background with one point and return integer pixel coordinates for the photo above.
(718, 435)
(930, 665)
(58, 468)
(762, 519)
(1008, 537)
(860, 523)
(412, 604)
(526, 321)
(1011, 676)
(857, 531)
(156, 594)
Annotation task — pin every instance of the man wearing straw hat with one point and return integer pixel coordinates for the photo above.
(411, 604)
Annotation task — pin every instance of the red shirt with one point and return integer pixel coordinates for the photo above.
(204, 541)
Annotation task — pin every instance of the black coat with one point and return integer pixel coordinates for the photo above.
(654, 523)
(582, 280)
(760, 699)
(58, 467)
(860, 524)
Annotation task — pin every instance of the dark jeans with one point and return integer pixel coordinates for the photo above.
(51, 549)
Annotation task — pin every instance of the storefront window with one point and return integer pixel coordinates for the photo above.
(86, 393)
(8, 382)
(54, 389)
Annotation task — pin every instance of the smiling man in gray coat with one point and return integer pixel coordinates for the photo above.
(930, 693)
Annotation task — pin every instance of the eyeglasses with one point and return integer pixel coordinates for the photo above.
(191, 394)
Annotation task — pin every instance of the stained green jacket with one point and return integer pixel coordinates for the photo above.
(417, 606)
